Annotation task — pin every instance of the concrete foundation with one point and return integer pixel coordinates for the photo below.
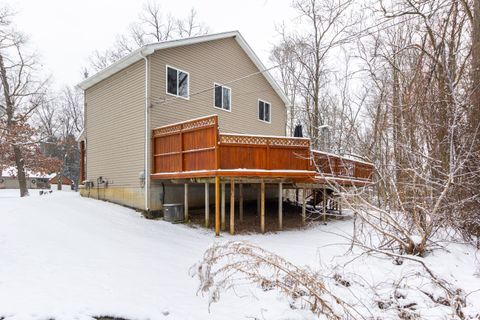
(127, 196)
(169, 193)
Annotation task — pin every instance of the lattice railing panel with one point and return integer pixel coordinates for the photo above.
(232, 139)
(259, 140)
(289, 142)
(204, 122)
(188, 125)
(167, 130)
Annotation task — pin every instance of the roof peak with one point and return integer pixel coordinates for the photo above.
(225, 34)
(149, 49)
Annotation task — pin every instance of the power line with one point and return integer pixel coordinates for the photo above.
(357, 36)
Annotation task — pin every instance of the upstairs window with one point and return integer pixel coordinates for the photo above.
(177, 82)
(222, 97)
(263, 111)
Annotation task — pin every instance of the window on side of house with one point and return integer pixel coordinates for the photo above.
(263, 111)
(222, 97)
(177, 82)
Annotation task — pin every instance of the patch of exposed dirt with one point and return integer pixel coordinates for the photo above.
(292, 218)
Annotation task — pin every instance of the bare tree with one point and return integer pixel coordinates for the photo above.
(190, 26)
(472, 209)
(71, 102)
(289, 70)
(303, 56)
(21, 95)
(59, 121)
(153, 25)
(419, 125)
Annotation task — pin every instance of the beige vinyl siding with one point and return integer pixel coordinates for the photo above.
(114, 116)
(114, 113)
(218, 61)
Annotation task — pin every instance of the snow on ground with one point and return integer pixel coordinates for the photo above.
(67, 257)
(65, 187)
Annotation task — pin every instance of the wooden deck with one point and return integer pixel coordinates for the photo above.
(196, 149)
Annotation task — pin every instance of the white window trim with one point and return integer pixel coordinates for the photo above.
(258, 110)
(166, 82)
(230, 90)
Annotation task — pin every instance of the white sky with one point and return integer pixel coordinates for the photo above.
(65, 33)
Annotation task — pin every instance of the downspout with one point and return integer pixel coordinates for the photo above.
(146, 171)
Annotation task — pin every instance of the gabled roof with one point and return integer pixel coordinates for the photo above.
(151, 48)
(53, 177)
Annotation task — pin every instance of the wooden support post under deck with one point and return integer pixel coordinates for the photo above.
(217, 206)
(223, 206)
(262, 206)
(280, 207)
(185, 206)
(324, 205)
(304, 205)
(232, 206)
(207, 206)
(259, 195)
(240, 203)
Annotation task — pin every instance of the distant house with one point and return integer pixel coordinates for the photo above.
(35, 180)
(54, 180)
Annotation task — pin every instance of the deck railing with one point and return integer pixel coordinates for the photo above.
(186, 146)
(197, 145)
(328, 164)
(263, 152)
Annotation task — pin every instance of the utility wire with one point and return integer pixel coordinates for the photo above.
(357, 35)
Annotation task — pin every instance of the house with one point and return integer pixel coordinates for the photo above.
(35, 180)
(53, 180)
(171, 118)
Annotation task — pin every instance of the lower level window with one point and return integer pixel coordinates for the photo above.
(264, 111)
(222, 97)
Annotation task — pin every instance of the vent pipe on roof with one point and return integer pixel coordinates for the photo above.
(298, 132)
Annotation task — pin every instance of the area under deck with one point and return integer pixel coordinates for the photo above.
(195, 151)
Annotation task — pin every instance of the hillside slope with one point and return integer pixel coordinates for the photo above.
(67, 257)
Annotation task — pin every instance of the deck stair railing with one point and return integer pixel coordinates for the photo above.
(329, 165)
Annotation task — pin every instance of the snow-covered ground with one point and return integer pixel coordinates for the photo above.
(67, 257)
(65, 187)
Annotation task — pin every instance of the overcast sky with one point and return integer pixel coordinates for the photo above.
(64, 33)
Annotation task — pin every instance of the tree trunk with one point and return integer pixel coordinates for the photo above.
(9, 106)
(22, 179)
(397, 131)
(475, 114)
(59, 181)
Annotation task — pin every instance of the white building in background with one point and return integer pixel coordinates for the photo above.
(35, 180)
